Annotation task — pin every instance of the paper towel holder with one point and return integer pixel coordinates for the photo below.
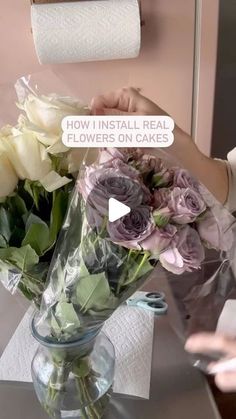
(69, 1)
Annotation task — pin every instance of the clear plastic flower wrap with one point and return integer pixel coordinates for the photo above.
(92, 271)
(98, 264)
(36, 178)
(206, 301)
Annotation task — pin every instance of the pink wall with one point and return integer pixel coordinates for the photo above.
(164, 69)
(205, 74)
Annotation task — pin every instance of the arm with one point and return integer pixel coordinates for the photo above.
(212, 173)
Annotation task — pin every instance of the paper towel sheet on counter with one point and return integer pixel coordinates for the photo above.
(131, 331)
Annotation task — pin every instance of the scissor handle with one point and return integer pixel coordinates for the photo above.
(158, 307)
(155, 296)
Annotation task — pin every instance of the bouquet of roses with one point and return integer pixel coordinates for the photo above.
(99, 263)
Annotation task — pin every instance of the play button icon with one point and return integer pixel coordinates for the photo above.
(110, 199)
(117, 210)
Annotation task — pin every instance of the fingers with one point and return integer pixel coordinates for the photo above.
(123, 100)
(208, 342)
(226, 381)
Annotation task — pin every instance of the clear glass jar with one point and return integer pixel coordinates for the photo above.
(74, 380)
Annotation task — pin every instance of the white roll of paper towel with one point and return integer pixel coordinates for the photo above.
(87, 30)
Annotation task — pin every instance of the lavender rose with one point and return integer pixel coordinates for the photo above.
(162, 178)
(149, 164)
(132, 229)
(108, 154)
(159, 240)
(161, 197)
(186, 205)
(216, 234)
(183, 179)
(185, 254)
(124, 168)
(100, 184)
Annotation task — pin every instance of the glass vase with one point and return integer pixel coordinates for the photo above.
(74, 380)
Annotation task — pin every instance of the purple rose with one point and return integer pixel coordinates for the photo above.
(108, 154)
(186, 205)
(161, 197)
(159, 240)
(162, 178)
(216, 234)
(185, 254)
(100, 184)
(183, 179)
(149, 164)
(129, 171)
(133, 228)
(124, 168)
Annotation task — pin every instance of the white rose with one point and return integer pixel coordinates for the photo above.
(25, 126)
(8, 177)
(47, 112)
(28, 157)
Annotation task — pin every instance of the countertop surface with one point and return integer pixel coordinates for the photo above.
(177, 389)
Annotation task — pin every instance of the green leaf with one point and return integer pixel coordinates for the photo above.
(66, 317)
(160, 220)
(32, 283)
(26, 291)
(16, 210)
(93, 292)
(35, 190)
(3, 242)
(156, 180)
(138, 269)
(37, 237)
(18, 235)
(57, 215)
(37, 234)
(55, 326)
(33, 219)
(18, 204)
(22, 258)
(5, 224)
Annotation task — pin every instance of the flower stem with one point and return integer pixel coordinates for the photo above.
(103, 228)
(133, 278)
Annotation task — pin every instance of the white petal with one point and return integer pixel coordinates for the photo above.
(57, 148)
(53, 181)
(28, 157)
(25, 126)
(8, 177)
(47, 112)
(172, 260)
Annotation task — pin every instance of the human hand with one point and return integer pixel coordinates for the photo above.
(124, 101)
(206, 343)
(129, 101)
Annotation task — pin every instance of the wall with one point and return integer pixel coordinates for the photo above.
(224, 126)
(206, 40)
(164, 69)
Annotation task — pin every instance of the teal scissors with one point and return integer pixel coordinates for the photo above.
(153, 301)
